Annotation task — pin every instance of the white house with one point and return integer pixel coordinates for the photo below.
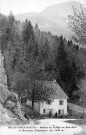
(56, 105)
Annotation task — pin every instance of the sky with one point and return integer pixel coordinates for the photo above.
(22, 6)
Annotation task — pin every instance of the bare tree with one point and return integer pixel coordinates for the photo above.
(77, 23)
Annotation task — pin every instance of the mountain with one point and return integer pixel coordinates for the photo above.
(54, 18)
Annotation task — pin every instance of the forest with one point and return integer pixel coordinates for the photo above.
(32, 56)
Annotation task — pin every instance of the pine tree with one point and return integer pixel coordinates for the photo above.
(27, 31)
(36, 26)
(63, 66)
(10, 30)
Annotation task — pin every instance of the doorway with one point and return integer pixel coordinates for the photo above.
(59, 112)
(50, 113)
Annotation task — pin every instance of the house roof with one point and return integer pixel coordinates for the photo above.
(59, 93)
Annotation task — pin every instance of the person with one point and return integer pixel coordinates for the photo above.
(50, 114)
(26, 116)
(56, 115)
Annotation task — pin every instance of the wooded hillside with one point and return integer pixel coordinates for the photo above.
(32, 55)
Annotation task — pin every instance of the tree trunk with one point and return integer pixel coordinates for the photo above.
(33, 92)
(33, 97)
(32, 103)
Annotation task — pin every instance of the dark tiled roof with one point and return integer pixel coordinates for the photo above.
(59, 93)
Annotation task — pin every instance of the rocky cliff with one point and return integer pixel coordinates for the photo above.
(10, 107)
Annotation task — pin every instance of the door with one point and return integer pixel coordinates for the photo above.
(59, 112)
(50, 113)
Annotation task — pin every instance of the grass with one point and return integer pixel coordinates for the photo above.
(32, 114)
(78, 122)
(75, 113)
(81, 123)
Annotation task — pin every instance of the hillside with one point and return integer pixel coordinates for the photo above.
(54, 18)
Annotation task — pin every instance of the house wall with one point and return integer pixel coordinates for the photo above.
(54, 107)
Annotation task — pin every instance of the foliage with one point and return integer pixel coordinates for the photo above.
(77, 23)
(70, 69)
(32, 55)
(27, 31)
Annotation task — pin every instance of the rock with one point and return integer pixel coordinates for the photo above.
(10, 104)
(4, 117)
(8, 98)
(5, 95)
(3, 77)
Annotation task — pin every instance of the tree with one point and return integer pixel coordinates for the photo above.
(32, 70)
(77, 23)
(31, 48)
(10, 30)
(27, 34)
(62, 64)
(70, 69)
(10, 47)
(27, 31)
(32, 81)
(7, 26)
(36, 27)
(82, 89)
(44, 51)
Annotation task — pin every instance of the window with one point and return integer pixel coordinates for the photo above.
(61, 102)
(43, 110)
(49, 102)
